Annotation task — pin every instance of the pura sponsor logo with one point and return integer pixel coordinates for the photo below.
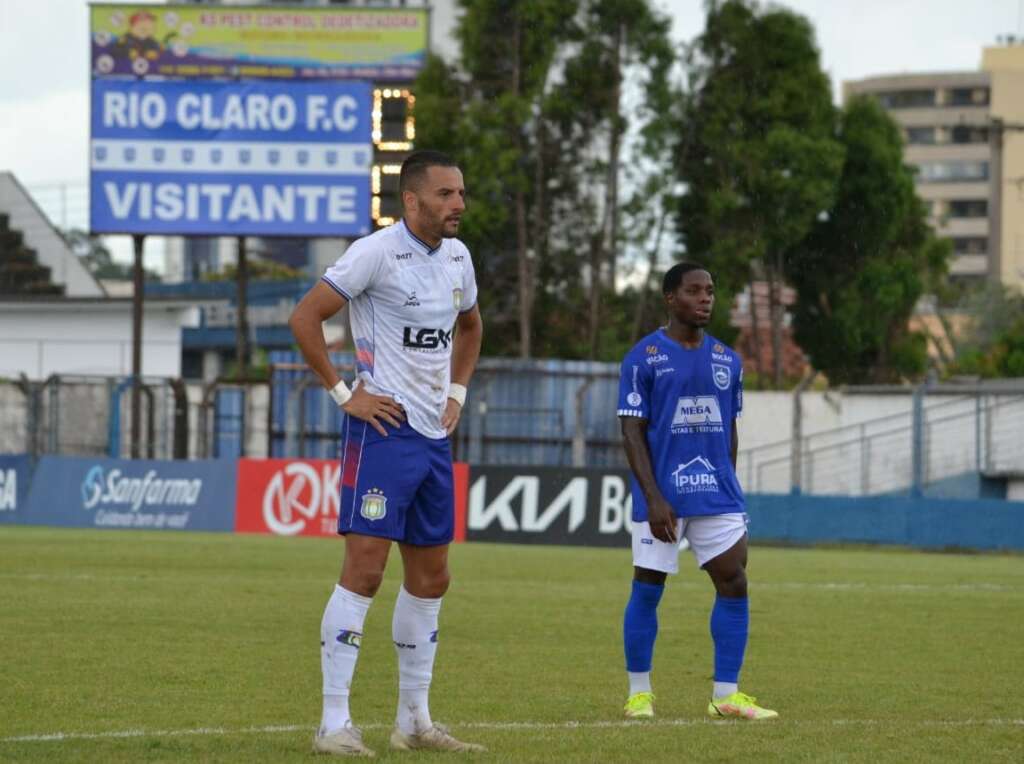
(695, 476)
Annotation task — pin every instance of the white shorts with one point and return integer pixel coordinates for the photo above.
(709, 536)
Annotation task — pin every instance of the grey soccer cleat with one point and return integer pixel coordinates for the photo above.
(347, 741)
(435, 738)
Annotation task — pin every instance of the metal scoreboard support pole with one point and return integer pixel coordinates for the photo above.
(139, 241)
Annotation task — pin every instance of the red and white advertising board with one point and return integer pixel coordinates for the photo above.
(299, 497)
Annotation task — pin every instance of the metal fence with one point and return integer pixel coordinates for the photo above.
(539, 413)
(935, 439)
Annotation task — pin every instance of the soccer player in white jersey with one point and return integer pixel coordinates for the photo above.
(417, 330)
(680, 393)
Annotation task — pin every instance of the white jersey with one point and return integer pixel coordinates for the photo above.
(404, 299)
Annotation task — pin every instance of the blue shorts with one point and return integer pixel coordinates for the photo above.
(399, 487)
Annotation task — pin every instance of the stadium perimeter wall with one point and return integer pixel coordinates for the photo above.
(546, 505)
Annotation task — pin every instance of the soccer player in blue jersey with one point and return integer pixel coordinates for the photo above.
(680, 393)
(417, 329)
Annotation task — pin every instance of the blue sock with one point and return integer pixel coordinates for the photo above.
(730, 621)
(640, 625)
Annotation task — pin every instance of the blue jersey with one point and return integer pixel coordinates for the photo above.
(689, 399)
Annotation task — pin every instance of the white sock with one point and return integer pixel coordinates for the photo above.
(724, 688)
(639, 681)
(414, 629)
(341, 633)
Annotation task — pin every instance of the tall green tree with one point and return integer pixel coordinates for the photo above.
(485, 111)
(609, 114)
(759, 158)
(867, 262)
(555, 146)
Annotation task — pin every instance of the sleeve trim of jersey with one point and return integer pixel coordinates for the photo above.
(466, 310)
(336, 288)
(632, 412)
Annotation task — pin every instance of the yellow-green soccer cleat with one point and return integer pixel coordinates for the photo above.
(739, 706)
(640, 705)
(435, 738)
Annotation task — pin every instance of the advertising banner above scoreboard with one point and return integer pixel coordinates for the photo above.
(230, 158)
(204, 42)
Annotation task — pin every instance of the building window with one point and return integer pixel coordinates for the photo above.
(952, 172)
(968, 134)
(968, 208)
(968, 97)
(970, 245)
(907, 99)
(917, 136)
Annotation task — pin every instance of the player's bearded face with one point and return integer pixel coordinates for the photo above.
(441, 201)
(692, 301)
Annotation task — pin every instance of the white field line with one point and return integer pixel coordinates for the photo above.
(977, 586)
(500, 726)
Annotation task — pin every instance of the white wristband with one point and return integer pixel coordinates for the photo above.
(340, 393)
(457, 393)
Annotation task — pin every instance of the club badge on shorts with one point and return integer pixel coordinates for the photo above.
(375, 505)
(722, 375)
(457, 298)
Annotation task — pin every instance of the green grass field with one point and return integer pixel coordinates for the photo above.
(130, 646)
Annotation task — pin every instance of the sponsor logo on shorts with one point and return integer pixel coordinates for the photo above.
(433, 635)
(350, 638)
(405, 646)
(375, 505)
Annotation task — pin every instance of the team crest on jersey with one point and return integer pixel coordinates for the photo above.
(457, 298)
(375, 505)
(719, 347)
(722, 376)
(652, 349)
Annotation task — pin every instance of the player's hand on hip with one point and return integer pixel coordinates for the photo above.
(374, 409)
(450, 418)
(662, 520)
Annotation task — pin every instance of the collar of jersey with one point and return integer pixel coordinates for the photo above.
(415, 241)
(663, 336)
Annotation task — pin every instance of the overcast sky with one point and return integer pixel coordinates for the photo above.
(44, 99)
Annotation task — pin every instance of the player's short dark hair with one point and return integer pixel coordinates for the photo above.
(415, 167)
(674, 275)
